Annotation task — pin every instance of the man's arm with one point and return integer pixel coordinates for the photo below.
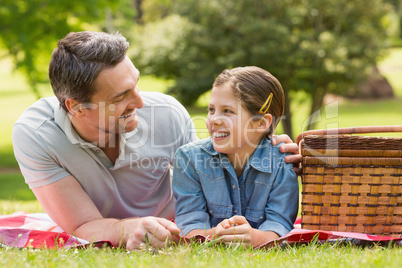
(71, 208)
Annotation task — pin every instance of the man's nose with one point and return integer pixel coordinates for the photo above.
(136, 100)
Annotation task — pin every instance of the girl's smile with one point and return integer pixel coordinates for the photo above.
(220, 135)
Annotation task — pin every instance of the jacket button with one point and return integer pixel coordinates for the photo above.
(235, 211)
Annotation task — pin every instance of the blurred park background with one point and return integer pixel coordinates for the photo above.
(339, 61)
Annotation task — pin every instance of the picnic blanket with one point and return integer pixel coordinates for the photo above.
(37, 230)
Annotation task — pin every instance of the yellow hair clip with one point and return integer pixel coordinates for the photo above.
(267, 103)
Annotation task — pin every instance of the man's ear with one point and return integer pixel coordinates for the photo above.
(74, 108)
(264, 123)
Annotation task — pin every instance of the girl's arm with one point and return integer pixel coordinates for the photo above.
(283, 202)
(191, 205)
(280, 214)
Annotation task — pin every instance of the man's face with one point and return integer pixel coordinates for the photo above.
(115, 100)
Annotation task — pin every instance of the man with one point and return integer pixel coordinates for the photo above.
(98, 157)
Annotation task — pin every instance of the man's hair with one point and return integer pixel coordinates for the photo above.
(79, 58)
(252, 86)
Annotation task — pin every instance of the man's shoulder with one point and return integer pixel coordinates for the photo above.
(164, 109)
(39, 112)
(152, 98)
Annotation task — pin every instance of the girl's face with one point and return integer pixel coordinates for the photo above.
(230, 125)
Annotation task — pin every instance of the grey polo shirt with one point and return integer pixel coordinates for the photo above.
(138, 184)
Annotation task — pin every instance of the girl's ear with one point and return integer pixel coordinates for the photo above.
(264, 123)
(74, 108)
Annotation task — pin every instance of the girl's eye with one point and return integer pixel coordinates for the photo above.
(211, 110)
(227, 111)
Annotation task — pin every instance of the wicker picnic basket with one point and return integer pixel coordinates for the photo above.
(352, 183)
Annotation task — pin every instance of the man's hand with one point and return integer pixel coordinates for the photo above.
(289, 147)
(149, 231)
(238, 230)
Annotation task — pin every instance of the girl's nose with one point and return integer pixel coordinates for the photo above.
(216, 119)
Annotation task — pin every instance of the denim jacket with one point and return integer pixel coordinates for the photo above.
(208, 191)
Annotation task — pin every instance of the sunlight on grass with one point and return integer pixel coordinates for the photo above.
(11, 206)
(151, 83)
(391, 68)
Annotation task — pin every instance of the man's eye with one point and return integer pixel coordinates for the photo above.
(121, 98)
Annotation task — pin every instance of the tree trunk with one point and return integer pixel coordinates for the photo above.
(140, 12)
(376, 86)
(315, 109)
(287, 119)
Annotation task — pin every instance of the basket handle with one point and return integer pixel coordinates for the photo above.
(349, 130)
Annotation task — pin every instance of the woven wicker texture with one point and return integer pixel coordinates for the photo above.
(355, 186)
(347, 142)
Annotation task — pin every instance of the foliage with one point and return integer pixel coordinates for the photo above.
(397, 5)
(156, 9)
(29, 29)
(310, 45)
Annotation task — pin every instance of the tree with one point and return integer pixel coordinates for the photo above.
(29, 29)
(311, 45)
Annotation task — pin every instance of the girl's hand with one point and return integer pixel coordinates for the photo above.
(238, 230)
(225, 224)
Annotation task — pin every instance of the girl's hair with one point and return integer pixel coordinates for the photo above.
(252, 86)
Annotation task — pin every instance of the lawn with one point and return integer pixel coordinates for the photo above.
(15, 97)
(196, 255)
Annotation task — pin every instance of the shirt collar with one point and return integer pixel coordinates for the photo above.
(260, 160)
(208, 147)
(63, 121)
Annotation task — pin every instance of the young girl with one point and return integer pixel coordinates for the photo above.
(235, 185)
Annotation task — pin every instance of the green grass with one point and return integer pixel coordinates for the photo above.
(198, 255)
(13, 187)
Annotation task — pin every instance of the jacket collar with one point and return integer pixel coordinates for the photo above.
(260, 160)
